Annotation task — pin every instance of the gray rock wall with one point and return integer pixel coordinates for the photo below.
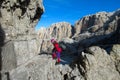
(101, 21)
(100, 63)
(58, 31)
(19, 17)
(18, 40)
(9, 60)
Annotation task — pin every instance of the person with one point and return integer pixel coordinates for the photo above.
(56, 50)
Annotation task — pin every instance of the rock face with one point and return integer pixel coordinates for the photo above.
(19, 17)
(99, 24)
(92, 23)
(17, 22)
(101, 64)
(106, 34)
(58, 30)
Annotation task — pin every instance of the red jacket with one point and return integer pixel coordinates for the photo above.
(56, 47)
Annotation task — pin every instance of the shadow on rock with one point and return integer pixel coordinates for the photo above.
(2, 38)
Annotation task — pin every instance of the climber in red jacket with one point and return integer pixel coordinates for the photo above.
(56, 50)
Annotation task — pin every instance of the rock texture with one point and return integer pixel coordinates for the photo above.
(58, 30)
(106, 34)
(17, 22)
(115, 53)
(92, 23)
(101, 64)
(101, 24)
(19, 17)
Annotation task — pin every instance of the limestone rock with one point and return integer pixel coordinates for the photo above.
(115, 51)
(58, 30)
(105, 34)
(40, 67)
(98, 61)
(19, 17)
(8, 57)
(18, 40)
(115, 54)
(101, 23)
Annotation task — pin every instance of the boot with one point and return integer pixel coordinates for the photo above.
(58, 60)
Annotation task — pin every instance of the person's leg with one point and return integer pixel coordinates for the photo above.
(58, 56)
(54, 55)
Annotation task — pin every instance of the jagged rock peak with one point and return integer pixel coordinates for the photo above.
(58, 30)
(94, 22)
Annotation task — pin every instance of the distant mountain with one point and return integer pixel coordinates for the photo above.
(88, 30)
(99, 22)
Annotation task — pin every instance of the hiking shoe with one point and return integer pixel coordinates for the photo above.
(57, 63)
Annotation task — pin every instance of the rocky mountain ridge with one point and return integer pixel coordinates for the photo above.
(94, 39)
(101, 26)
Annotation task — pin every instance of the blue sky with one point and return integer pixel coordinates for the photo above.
(72, 10)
